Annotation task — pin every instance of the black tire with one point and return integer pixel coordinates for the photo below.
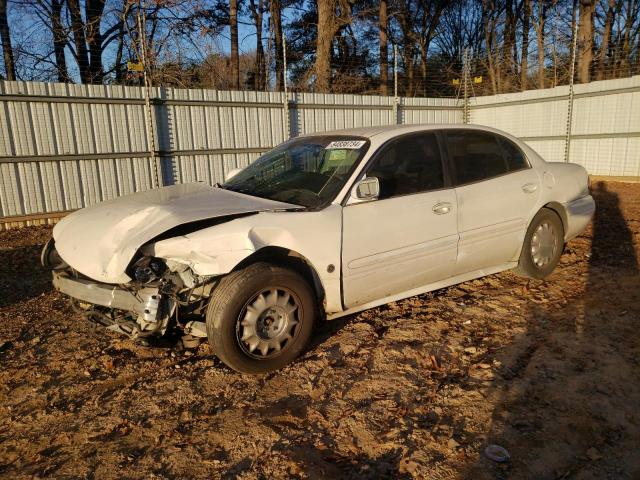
(527, 265)
(231, 299)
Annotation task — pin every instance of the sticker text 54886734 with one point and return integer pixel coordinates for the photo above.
(350, 144)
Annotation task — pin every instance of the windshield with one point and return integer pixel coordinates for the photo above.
(308, 171)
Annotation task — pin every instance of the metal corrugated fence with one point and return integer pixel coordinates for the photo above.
(605, 133)
(63, 147)
(67, 146)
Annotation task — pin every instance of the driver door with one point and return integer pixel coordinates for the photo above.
(408, 237)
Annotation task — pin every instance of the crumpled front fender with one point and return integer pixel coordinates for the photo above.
(217, 250)
(212, 252)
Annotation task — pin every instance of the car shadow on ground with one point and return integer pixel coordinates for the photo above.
(568, 405)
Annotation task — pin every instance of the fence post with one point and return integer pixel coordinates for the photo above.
(396, 99)
(151, 142)
(567, 142)
(465, 82)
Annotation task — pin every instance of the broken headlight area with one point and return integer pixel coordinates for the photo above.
(50, 258)
(135, 311)
(147, 269)
(161, 298)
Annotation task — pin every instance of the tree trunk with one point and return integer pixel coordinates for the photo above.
(408, 68)
(606, 40)
(326, 32)
(487, 26)
(384, 49)
(429, 24)
(524, 68)
(424, 50)
(94, 12)
(539, 27)
(405, 18)
(585, 40)
(119, 67)
(508, 44)
(626, 60)
(275, 11)
(59, 40)
(5, 36)
(79, 39)
(235, 60)
(256, 15)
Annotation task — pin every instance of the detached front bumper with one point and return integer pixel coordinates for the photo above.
(145, 303)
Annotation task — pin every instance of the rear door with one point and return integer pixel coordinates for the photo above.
(497, 191)
(408, 237)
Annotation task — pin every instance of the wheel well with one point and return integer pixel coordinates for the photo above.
(284, 257)
(559, 210)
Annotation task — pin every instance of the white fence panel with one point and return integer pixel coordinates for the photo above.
(319, 112)
(63, 147)
(605, 133)
(430, 110)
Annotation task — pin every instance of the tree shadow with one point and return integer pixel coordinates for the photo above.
(569, 389)
(319, 457)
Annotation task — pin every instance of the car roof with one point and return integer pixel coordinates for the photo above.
(390, 131)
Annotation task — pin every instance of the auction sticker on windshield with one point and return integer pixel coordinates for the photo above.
(351, 144)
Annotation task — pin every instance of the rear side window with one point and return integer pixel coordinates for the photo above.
(514, 156)
(409, 165)
(475, 155)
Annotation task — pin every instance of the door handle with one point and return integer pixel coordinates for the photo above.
(529, 187)
(442, 208)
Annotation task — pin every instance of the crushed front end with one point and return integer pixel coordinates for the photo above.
(159, 297)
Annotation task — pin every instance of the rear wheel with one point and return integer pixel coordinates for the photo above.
(543, 245)
(260, 318)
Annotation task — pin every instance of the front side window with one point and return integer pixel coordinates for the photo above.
(409, 165)
(307, 171)
(475, 155)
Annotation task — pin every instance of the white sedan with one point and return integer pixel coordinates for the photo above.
(322, 226)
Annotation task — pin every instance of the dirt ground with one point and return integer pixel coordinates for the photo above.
(550, 370)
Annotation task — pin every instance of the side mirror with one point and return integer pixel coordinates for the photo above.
(368, 189)
(232, 173)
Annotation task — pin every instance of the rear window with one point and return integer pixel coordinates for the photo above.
(475, 155)
(514, 156)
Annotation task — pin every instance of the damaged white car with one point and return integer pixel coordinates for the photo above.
(322, 226)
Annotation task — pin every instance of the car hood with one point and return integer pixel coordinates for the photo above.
(99, 241)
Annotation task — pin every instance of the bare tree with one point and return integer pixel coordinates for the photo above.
(94, 11)
(489, 23)
(59, 40)
(429, 19)
(405, 16)
(524, 62)
(233, 25)
(384, 53)
(275, 16)
(606, 39)
(257, 11)
(326, 31)
(331, 15)
(7, 50)
(80, 40)
(539, 26)
(585, 40)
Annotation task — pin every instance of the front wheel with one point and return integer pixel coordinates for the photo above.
(543, 245)
(260, 318)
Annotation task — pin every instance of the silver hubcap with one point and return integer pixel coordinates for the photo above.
(544, 244)
(268, 322)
